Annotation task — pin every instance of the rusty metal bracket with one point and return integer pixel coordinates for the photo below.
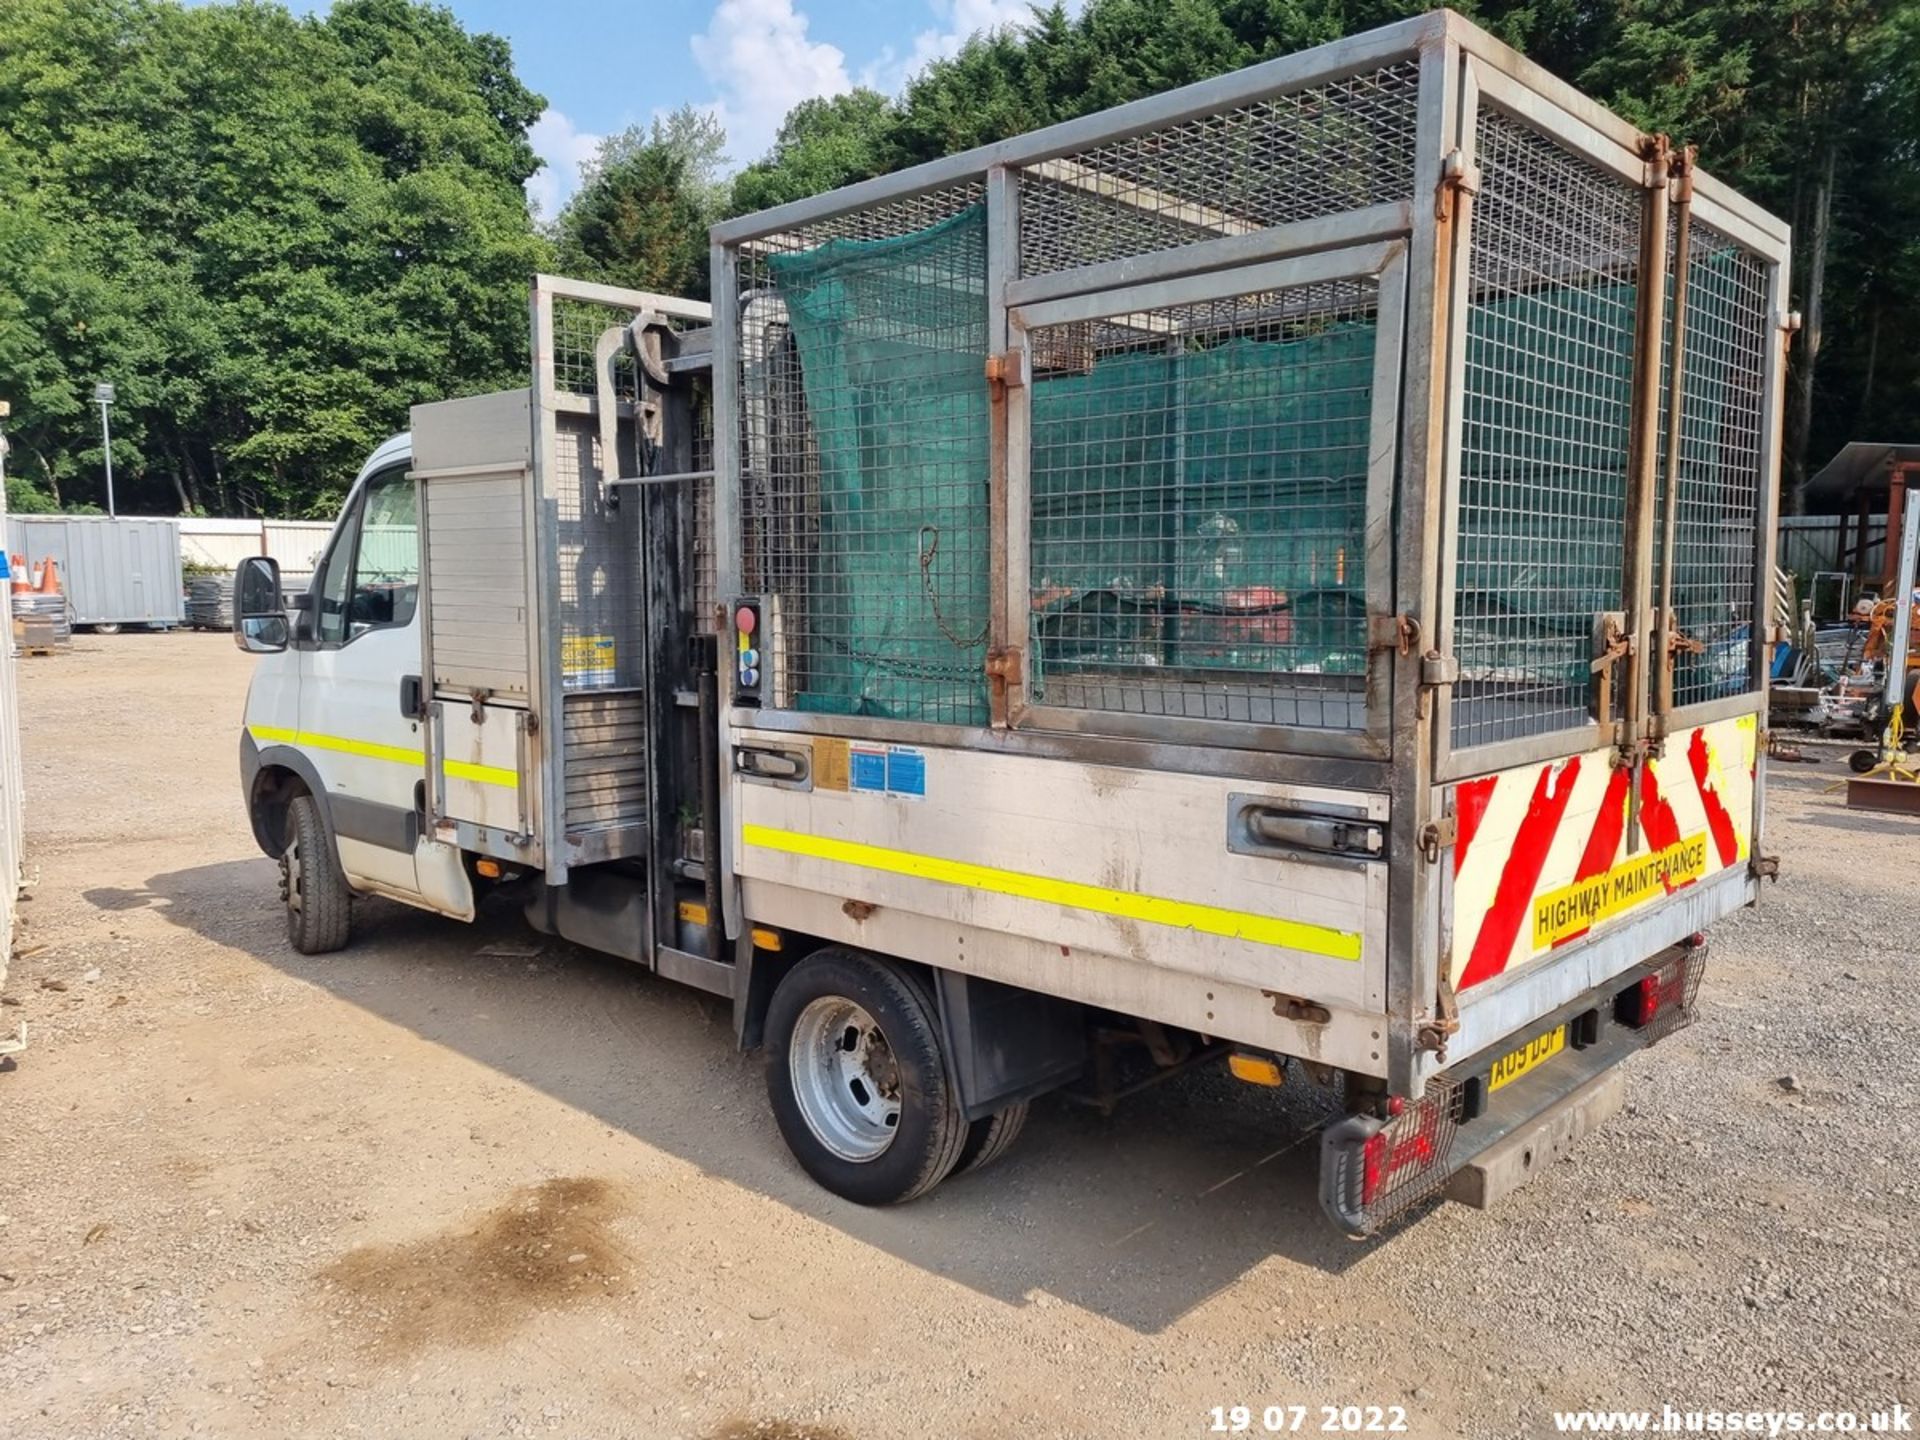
(1303, 1012)
(1459, 178)
(1611, 643)
(1004, 668)
(1765, 867)
(1393, 632)
(1009, 370)
(1437, 835)
(1433, 1034)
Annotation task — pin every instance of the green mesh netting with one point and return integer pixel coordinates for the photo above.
(1175, 485)
(891, 337)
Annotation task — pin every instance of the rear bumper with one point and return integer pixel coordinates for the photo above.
(1476, 1139)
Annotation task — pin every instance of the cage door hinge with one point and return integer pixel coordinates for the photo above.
(1433, 1034)
(1436, 836)
(1393, 632)
(1458, 176)
(1009, 370)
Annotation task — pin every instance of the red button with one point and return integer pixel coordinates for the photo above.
(746, 620)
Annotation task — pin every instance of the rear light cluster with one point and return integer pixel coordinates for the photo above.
(1372, 1171)
(1661, 1003)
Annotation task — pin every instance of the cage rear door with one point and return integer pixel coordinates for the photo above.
(1200, 490)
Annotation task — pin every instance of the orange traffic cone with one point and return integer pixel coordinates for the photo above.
(49, 578)
(22, 581)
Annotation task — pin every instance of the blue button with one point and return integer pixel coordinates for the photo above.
(749, 657)
(749, 675)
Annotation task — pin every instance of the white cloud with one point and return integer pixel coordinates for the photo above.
(563, 149)
(956, 22)
(758, 58)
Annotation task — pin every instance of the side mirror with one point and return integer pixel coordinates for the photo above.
(259, 614)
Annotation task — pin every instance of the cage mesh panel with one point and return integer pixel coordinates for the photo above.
(577, 327)
(1548, 393)
(1723, 372)
(1199, 508)
(1336, 147)
(706, 588)
(864, 444)
(598, 546)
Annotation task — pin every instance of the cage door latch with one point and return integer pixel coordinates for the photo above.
(1458, 176)
(1393, 632)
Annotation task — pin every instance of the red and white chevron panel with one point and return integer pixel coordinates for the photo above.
(1541, 858)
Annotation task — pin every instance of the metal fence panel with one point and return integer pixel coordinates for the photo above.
(1324, 150)
(1198, 508)
(1541, 525)
(1723, 374)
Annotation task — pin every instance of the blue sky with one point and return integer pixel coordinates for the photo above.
(606, 64)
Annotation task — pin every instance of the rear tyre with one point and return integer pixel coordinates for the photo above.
(858, 1081)
(992, 1137)
(319, 904)
(106, 629)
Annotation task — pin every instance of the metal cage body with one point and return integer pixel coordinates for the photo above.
(1170, 522)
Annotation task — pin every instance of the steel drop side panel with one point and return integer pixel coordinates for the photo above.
(114, 571)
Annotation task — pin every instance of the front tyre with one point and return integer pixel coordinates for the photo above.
(319, 904)
(858, 1081)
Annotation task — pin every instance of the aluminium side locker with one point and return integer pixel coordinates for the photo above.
(1283, 560)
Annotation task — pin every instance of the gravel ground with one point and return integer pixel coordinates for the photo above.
(465, 1181)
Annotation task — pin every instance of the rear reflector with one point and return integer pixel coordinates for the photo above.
(1372, 1170)
(1662, 1002)
(1256, 1069)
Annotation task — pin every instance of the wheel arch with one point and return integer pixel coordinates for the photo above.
(1004, 1043)
(274, 776)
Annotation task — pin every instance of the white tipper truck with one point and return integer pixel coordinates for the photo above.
(1273, 574)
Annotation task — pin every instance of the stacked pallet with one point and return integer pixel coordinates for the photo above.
(210, 602)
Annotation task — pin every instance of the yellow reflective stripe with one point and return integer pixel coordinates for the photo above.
(481, 774)
(312, 740)
(394, 754)
(1180, 914)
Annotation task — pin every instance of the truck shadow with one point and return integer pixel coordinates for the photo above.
(1138, 1216)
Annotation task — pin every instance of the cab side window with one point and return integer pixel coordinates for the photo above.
(371, 577)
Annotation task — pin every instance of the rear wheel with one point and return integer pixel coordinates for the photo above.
(858, 1081)
(319, 904)
(992, 1137)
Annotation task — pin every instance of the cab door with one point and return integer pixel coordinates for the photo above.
(361, 646)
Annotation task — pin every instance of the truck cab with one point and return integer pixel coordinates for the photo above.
(331, 750)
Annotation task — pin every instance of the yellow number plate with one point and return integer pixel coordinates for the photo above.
(1534, 1053)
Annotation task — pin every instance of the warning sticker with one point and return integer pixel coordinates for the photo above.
(1585, 903)
(832, 764)
(867, 769)
(588, 660)
(906, 773)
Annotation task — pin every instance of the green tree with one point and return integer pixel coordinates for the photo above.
(272, 234)
(822, 144)
(641, 214)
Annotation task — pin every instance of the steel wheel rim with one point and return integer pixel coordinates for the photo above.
(845, 1079)
(290, 865)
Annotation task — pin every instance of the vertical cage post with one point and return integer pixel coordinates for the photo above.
(1681, 170)
(1644, 445)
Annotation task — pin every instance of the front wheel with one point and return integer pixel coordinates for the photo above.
(319, 904)
(858, 1080)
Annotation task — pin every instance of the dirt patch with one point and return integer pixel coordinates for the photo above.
(775, 1430)
(545, 1247)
